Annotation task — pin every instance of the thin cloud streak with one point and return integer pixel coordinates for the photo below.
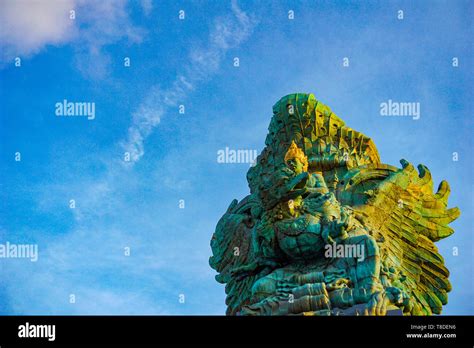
(228, 32)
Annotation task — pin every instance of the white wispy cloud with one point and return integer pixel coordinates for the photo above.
(147, 6)
(102, 23)
(28, 27)
(227, 32)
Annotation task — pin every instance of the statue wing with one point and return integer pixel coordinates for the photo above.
(232, 248)
(406, 218)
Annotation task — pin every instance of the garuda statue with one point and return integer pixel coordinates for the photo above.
(328, 229)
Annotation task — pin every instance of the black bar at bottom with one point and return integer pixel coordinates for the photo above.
(136, 330)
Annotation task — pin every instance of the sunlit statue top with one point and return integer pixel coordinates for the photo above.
(327, 229)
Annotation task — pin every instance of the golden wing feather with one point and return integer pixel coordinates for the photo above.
(406, 217)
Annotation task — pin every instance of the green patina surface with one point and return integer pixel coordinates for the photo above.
(327, 229)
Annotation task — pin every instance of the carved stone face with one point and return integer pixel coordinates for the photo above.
(330, 208)
(331, 211)
(295, 165)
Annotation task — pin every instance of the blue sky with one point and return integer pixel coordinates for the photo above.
(174, 156)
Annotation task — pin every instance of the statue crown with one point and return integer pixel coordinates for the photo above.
(294, 152)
